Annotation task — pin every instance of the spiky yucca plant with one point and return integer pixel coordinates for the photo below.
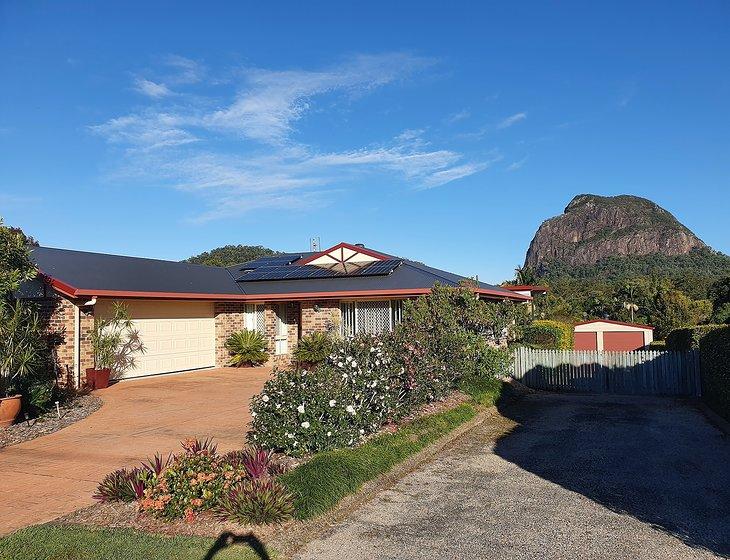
(256, 501)
(313, 349)
(247, 348)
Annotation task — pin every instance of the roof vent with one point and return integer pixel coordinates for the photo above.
(362, 245)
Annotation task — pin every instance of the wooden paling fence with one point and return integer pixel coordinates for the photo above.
(642, 372)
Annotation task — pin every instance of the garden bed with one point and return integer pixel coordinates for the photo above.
(72, 411)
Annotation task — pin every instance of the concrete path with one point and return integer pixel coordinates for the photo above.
(580, 477)
(56, 474)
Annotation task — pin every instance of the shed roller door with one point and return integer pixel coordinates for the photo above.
(177, 336)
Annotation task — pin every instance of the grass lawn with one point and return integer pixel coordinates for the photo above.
(69, 542)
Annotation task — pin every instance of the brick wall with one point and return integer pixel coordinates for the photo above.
(58, 314)
(326, 317)
(229, 318)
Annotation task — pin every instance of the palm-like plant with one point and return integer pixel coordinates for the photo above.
(115, 340)
(23, 348)
(313, 349)
(247, 348)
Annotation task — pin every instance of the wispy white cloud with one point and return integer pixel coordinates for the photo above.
(181, 70)
(458, 116)
(151, 89)
(247, 154)
(512, 120)
(272, 101)
(515, 165)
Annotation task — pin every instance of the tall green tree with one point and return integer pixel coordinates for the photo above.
(229, 255)
(15, 263)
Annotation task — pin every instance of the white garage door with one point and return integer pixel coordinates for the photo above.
(177, 336)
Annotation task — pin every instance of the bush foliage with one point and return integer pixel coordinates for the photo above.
(313, 349)
(239, 486)
(370, 380)
(688, 338)
(322, 482)
(549, 334)
(247, 348)
(714, 360)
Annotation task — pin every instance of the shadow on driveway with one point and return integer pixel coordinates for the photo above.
(655, 459)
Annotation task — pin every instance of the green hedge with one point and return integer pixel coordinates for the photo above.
(331, 475)
(688, 338)
(549, 334)
(714, 360)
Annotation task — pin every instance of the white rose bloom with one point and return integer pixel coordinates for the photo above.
(329, 434)
(362, 432)
(305, 424)
(265, 398)
(333, 402)
(340, 364)
(350, 409)
(300, 408)
(354, 364)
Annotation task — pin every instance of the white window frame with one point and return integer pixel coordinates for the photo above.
(252, 320)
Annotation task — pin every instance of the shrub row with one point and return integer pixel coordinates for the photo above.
(688, 338)
(239, 486)
(368, 381)
(714, 360)
(322, 482)
(549, 335)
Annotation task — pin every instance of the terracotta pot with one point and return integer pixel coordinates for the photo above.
(9, 410)
(90, 378)
(101, 380)
(97, 378)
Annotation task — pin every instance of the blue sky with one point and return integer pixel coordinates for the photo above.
(444, 133)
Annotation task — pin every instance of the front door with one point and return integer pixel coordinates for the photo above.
(280, 339)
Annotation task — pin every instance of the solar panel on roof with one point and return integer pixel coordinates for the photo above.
(273, 260)
(294, 272)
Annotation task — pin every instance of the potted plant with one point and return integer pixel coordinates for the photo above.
(114, 342)
(247, 348)
(22, 347)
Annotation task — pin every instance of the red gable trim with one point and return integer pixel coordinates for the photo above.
(344, 245)
(637, 325)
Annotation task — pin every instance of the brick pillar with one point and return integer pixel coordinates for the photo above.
(229, 318)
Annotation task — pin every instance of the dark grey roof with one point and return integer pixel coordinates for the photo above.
(98, 271)
(409, 276)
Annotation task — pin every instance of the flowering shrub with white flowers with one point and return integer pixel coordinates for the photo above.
(336, 404)
(446, 337)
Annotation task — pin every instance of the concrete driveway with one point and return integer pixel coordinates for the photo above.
(56, 474)
(578, 477)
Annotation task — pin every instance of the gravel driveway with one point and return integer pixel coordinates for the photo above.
(580, 477)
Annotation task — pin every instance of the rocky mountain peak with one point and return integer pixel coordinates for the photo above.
(594, 227)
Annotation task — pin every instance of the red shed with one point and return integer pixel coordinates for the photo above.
(602, 334)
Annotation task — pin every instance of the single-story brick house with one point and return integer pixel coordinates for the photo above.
(184, 312)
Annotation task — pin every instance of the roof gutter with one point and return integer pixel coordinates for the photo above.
(72, 292)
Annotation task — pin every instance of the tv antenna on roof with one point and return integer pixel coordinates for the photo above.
(314, 244)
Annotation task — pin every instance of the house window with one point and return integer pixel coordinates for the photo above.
(370, 316)
(254, 318)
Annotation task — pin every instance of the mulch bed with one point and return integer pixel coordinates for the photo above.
(72, 411)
